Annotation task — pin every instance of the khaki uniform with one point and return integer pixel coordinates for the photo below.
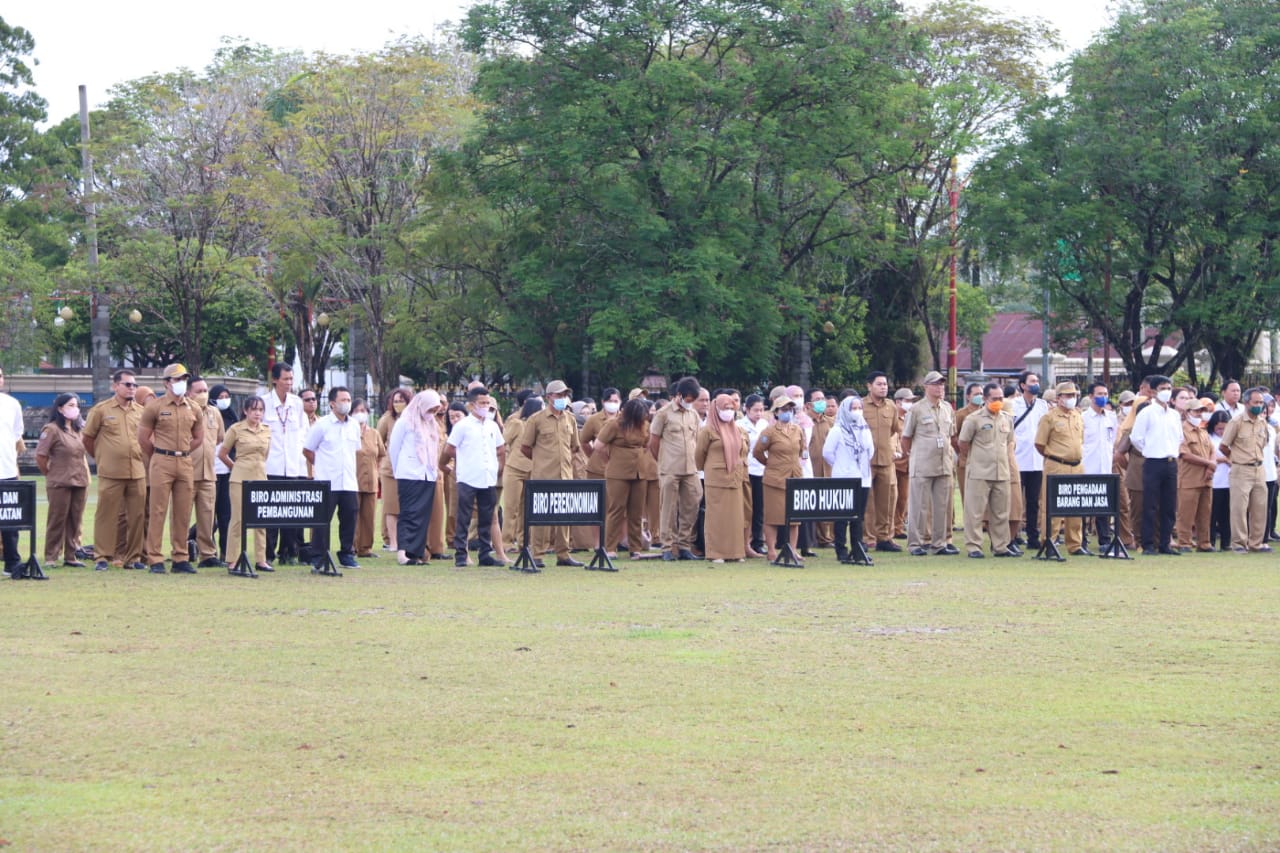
(553, 439)
(882, 418)
(902, 475)
(962, 414)
(369, 457)
(986, 441)
(625, 487)
(251, 447)
(824, 531)
(930, 427)
(514, 475)
(66, 485)
(778, 450)
(175, 425)
(1060, 440)
(680, 490)
(204, 482)
(387, 478)
(1195, 489)
(122, 480)
(726, 518)
(1247, 438)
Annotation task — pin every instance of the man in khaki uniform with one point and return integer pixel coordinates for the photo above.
(985, 444)
(882, 418)
(673, 437)
(550, 440)
(111, 438)
(1244, 442)
(170, 432)
(204, 482)
(974, 401)
(514, 475)
(1060, 440)
(903, 400)
(926, 438)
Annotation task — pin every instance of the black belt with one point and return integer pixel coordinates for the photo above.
(1161, 459)
(1250, 464)
(164, 452)
(1062, 461)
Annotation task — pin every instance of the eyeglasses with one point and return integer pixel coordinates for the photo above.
(308, 399)
(128, 384)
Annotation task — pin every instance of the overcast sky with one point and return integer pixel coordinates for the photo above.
(101, 44)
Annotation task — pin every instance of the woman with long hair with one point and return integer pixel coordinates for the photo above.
(397, 401)
(415, 454)
(621, 446)
(60, 456)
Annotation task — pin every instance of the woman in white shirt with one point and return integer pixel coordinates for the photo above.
(414, 454)
(848, 450)
(1220, 518)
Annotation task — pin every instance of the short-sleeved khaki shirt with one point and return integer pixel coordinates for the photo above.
(174, 423)
(114, 430)
(677, 427)
(930, 428)
(553, 438)
(990, 440)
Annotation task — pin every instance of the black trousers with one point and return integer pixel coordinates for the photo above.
(222, 512)
(289, 539)
(848, 532)
(1220, 519)
(416, 500)
(347, 505)
(10, 540)
(1270, 532)
(1031, 481)
(1159, 501)
(483, 501)
(757, 511)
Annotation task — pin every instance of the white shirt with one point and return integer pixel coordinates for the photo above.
(843, 461)
(1100, 430)
(476, 443)
(402, 450)
(1235, 411)
(1269, 455)
(1221, 474)
(753, 430)
(11, 429)
(1024, 434)
(1157, 432)
(335, 443)
(288, 425)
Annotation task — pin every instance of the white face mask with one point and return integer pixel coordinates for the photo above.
(1165, 395)
(224, 404)
(686, 405)
(906, 407)
(179, 388)
(856, 416)
(612, 408)
(489, 414)
(726, 415)
(1069, 402)
(342, 408)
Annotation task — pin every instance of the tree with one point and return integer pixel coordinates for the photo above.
(1164, 173)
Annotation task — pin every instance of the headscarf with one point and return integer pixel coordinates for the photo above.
(730, 436)
(420, 419)
(851, 433)
(228, 415)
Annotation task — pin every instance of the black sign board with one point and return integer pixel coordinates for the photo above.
(826, 499)
(562, 503)
(280, 504)
(18, 512)
(1081, 496)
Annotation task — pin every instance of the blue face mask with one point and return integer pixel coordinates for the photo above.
(820, 407)
(1034, 390)
(1100, 402)
(976, 400)
(784, 417)
(560, 404)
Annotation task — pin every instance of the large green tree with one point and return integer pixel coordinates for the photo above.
(1160, 164)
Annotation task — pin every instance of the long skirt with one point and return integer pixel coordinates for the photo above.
(726, 522)
(416, 500)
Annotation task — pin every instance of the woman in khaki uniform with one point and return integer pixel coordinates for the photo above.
(251, 440)
(721, 454)
(622, 446)
(371, 455)
(1195, 482)
(396, 401)
(611, 400)
(778, 449)
(652, 494)
(61, 458)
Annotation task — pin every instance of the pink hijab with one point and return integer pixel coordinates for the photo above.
(420, 418)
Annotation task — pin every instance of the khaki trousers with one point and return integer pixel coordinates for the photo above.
(1074, 524)
(170, 490)
(513, 508)
(204, 495)
(624, 510)
(652, 512)
(234, 532)
(680, 495)
(884, 498)
(1135, 518)
(118, 499)
(366, 519)
(66, 506)
(900, 506)
(986, 500)
(927, 510)
(1248, 506)
(1191, 527)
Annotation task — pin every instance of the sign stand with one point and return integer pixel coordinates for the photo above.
(1082, 496)
(18, 512)
(282, 504)
(824, 499)
(563, 503)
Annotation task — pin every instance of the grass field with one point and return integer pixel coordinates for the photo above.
(922, 704)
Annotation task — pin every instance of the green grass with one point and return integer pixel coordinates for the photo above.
(922, 704)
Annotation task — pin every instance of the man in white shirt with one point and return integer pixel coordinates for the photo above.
(1230, 402)
(11, 429)
(477, 444)
(287, 421)
(1027, 411)
(1100, 429)
(1157, 434)
(331, 447)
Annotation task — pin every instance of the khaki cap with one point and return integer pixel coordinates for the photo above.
(1067, 388)
(1127, 397)
(904, 394)
(176, 370)
(781, 402)
(933, 377)
(1199, 405)
(557, 386)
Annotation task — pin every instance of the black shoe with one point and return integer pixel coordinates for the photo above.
(1171, 552)
(157, 569)
(841, 555)
(977, 555)
(182, 567)
(668, 557)
(686, 554)
(915, 552)
(946, 551)
(437, 556)
(1014, 550)
(901, 536)
(1008, 552)
(569, 561)
(538, 564)
(1149, 552)
(888, 545)
(100, 566)
(460, 562)
(1019, 541)
(85, 553)
(211, 563)
(264, 567)
(348, 561)
(1033, 544)
(1081, 552)
(489, 560)
(73, 564)
(807, 553)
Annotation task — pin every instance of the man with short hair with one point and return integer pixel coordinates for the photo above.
(903, 400)
(286, 418)
(882, 419)
(1027, 411)
(204, 482)
(1060, 441)
(1100, 429)
(111, 438)
(11, 444)
(1244, 441)
(973, 402)
(550, 440)
(926, 439)
(330, 447)
(1157, 435)
(673, 437)
(170, 432)
(986, 448)
(1230, 402)
(477, 444)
